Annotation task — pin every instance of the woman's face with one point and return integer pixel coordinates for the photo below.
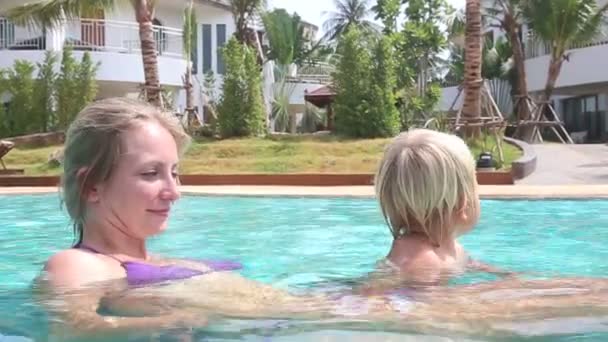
(137, 198)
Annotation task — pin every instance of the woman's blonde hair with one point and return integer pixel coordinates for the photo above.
(424, 178)
(93, 146)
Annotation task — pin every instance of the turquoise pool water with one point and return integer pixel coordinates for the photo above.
(300, 242)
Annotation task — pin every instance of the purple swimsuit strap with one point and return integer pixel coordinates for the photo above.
(139, 273)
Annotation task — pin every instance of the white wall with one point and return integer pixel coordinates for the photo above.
(448, 95)
(119, 67)
(587, 65)
(297, 96)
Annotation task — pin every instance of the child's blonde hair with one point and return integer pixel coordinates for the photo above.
(424, 179)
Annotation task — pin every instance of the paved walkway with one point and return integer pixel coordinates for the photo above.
(560, 164)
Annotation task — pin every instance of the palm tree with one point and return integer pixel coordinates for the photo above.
(52, 12)
(559, 24)
(288, 45)
(189, 46)
(349, 13)
(244, 13)
(471, 107)
(509, 18)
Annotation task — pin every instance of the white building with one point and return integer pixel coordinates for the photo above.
(581, 93)
(112, 38)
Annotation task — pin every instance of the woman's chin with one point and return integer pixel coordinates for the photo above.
(155, 228)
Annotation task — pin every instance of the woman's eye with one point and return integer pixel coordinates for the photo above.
(149, 174)
(175, 174)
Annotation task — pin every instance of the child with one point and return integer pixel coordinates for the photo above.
(427, 188)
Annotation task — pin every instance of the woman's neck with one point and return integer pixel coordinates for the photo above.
(108, 239)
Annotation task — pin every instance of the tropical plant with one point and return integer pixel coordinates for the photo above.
(559, 24)
(387, 11)
(67, 101)
(20, 84)
(349, 13)
(241, 110)
(497, 62)
(287, 40)
(244, 13)
(51, 13)
(364, 83)
(312, 119)
(288, 46)
(45, 91)
(419, 45)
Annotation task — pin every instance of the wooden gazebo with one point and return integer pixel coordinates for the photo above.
(323, 98)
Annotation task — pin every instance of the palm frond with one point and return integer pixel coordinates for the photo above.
(51, 12)
(189, 30)
(593, 26)
(456, 23)
(348, 13)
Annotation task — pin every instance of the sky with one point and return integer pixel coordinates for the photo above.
(313, 11)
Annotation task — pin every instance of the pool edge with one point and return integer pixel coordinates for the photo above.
(486, 191)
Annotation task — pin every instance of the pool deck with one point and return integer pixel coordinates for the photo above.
(486, 191)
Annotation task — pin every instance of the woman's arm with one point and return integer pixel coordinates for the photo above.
(483, 267)
(72, 292)
(220, 293)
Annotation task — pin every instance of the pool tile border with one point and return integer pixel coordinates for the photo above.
(486, 191)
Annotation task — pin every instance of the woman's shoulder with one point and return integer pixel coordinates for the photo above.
(74, 267)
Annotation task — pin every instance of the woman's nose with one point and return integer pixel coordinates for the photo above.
(170, 191)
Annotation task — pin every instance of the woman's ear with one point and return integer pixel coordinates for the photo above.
(90, 192)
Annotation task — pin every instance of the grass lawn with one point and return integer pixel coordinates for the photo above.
(288, 154)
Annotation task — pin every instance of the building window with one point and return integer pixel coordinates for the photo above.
(206, 48)
(221, 41)
(583, 114)
(160, 37)
(7, 33)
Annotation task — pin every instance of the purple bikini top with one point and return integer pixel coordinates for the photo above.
(139, 273)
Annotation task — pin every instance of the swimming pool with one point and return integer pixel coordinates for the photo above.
(299, 242)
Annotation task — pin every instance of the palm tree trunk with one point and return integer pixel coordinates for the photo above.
(188, 86)
(522, 110)
(555, 67)
(143, 12)
(471, 108)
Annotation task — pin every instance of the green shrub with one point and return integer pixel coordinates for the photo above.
(241, 110)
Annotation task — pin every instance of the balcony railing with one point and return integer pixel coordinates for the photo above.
(536, 48)
(93, 35)
(317, 73)
(18, 38)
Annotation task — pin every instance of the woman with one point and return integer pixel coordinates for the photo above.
(119, 184)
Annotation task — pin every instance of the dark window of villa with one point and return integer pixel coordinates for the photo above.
(7, 33)
(221, 40)
(194, 59)
(206, 48)
(582, 114)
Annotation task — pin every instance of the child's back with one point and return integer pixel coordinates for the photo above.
(427, 188)
(418, 261)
